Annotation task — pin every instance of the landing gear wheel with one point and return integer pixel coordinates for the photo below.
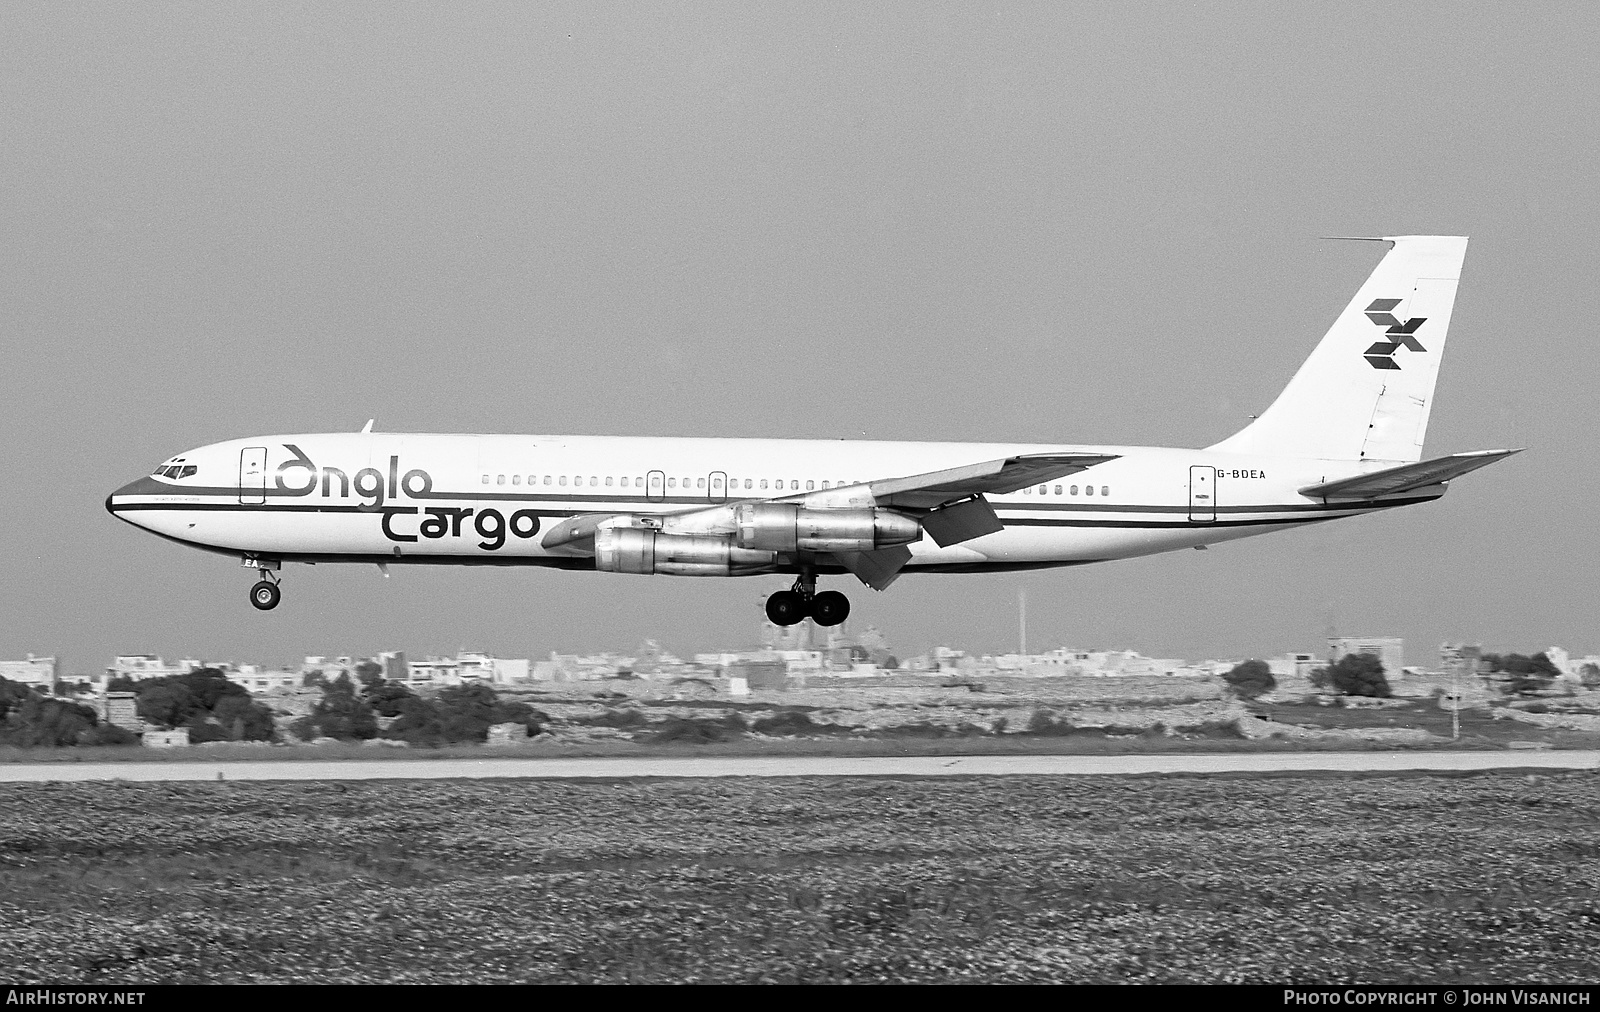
(830, 608)
(265, 595)
(786, 608)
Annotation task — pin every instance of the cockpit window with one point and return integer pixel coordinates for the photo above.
(176, 469)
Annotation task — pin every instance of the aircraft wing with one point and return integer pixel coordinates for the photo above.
(1008, 474)
(1393, 480)
(950, 502)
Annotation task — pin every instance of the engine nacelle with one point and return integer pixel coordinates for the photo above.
(787, 527)
(631, 550)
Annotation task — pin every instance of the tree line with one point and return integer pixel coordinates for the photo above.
(212, 708)
(29, 718)
(1363, 675)
(350, 711)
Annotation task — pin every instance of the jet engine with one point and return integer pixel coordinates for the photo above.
(788, 527)
(631, 550)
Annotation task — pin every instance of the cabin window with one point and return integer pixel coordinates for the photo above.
(594, 481)
(1058, 490)
(486, 479)
(747, 483)
(188, 469)
(639, 482)
(794, 485)
(699, 483)
(624, 481)
(811, 486)
(672, 483)
(1105, 489)
(824, 485)
(763, 483)
(1088, 490)
(547, 479)
(1044, 489)
(562, 480)
(516, 479)
(608, 481)
(1074, 490)
(1028, 490)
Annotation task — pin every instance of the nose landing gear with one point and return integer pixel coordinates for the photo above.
(265, 594)
(787, 607)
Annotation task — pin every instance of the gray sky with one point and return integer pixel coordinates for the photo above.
(1040, 222)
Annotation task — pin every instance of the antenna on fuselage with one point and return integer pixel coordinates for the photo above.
(367, 428)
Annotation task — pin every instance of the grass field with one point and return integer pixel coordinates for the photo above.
(1483, 878)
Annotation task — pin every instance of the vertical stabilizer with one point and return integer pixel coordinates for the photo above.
(1365, 392)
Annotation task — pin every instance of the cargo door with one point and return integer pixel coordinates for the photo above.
(717, 486)
(253, 475)
(1202, 494)
(656, 485)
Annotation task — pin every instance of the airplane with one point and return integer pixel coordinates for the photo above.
(1343, 439)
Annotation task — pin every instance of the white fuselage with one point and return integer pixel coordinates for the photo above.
(485, 499)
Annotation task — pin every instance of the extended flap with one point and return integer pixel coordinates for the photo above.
(962, 521)
(876, 569)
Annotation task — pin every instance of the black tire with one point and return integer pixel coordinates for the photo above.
(265, 595)
(830, 607)
(786, 608)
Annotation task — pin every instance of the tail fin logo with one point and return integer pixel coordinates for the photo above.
(1401, 335)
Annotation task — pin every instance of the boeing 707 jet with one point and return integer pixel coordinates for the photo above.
(1344, 438)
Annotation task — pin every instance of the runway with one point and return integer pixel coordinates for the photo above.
(803, 766)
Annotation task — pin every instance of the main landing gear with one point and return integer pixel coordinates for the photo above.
(802, 601)
(265, 595)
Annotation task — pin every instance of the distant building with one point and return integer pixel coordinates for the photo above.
(395, 668)
(176, 738)
(580, 667)
(121, 709)
(37, 671)
(254, 679)
(1091, 663)
(773, 674)
(1295, 665)
(332, 667)
(468, 666)
(803, 635)
(1388, 649)
(495, 670)
(141, 666)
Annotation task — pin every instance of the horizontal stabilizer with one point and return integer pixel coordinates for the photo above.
(1393, 480)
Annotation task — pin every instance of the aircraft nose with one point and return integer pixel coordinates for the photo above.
(142, 486)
